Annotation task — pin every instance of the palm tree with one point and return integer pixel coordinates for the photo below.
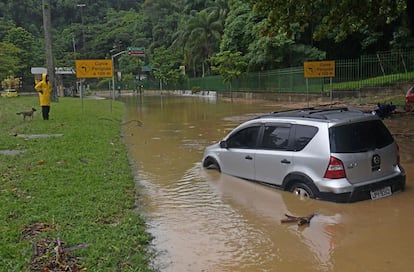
(204, 31)
(221, 7)
(195, 5)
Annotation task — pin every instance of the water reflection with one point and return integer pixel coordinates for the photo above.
(206, 221)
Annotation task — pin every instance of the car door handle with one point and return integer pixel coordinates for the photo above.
(285, 161)
(248, 157)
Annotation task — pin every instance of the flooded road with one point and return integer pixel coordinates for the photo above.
(206, 221)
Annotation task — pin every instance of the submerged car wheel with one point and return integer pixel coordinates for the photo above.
(302, 190)
(210, 163)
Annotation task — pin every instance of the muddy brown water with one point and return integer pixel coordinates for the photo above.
(202, 220)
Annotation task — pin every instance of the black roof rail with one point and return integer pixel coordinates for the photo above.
(309, 112)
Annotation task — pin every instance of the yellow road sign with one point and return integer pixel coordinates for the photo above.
(99, 68)
(319, 68)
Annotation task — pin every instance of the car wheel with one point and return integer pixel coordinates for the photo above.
(302, 190)
(211, 163)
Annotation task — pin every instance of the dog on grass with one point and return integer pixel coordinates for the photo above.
(27, 113)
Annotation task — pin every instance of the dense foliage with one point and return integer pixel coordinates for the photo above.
(268, 34)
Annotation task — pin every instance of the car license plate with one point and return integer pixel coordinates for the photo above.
(384, 192)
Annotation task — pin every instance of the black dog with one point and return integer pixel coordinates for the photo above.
(27, 113)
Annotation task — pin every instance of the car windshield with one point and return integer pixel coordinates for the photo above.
(359, 137)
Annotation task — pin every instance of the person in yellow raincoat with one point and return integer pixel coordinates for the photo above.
(44, 88)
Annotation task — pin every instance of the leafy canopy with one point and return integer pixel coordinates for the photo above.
(328, 18)
(230, 65)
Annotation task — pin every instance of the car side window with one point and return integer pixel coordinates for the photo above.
(303, 135)
(276, 137)
(245, 138)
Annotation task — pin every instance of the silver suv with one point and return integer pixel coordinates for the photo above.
(334, 154)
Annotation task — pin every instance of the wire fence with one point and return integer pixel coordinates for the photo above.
(381, 69)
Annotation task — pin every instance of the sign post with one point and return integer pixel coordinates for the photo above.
(99, 68)
(318, 69)
(113, 77)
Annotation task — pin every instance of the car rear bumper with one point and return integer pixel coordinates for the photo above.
(359, 193)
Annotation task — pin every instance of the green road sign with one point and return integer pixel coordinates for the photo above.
(136, 51)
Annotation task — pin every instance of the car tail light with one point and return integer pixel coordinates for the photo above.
(335, 169)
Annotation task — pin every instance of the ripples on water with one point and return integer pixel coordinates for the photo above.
(190, 214)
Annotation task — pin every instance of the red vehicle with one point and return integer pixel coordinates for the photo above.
(409, 100)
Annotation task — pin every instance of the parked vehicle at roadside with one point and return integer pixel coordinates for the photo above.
(334, 154)
(384, 110)
(409, 100)
(9, 93)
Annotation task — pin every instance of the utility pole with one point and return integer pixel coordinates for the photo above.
(47, 28)
(81, 6)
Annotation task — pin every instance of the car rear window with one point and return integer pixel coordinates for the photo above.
(359, 137)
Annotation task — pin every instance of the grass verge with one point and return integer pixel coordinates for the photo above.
(69, 196)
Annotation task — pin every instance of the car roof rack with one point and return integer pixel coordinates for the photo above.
(311, 112)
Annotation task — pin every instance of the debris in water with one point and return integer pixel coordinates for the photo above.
(300, 220)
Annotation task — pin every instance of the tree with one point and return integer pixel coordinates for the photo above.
(230, 65)
(239, 27)
(190, 6)
(166, 66)
(121, 29)
(22, 12)
(20, 37)
(243, 32)
(25, 42)
(269, 33)
(161, 21)
(204, 32)
(10, 61)
(5, 26)
(130, 64)
(327, 19)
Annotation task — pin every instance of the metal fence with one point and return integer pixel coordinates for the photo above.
(380, 69)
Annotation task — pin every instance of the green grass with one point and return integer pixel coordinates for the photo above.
(379, 81)
(80, 184)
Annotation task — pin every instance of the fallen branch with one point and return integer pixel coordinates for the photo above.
(139, 123)
(51, 255)
(300, 220)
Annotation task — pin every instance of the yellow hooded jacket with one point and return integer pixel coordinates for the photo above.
(44, 88)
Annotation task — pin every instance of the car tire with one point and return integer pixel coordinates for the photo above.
(211, 163)
(303, 190)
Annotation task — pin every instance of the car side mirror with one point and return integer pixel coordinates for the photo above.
(223, 144)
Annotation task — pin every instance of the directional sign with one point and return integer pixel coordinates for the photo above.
(319, 68)
(136, 51)
(64, 71)
(100, 68)
(38, 70)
